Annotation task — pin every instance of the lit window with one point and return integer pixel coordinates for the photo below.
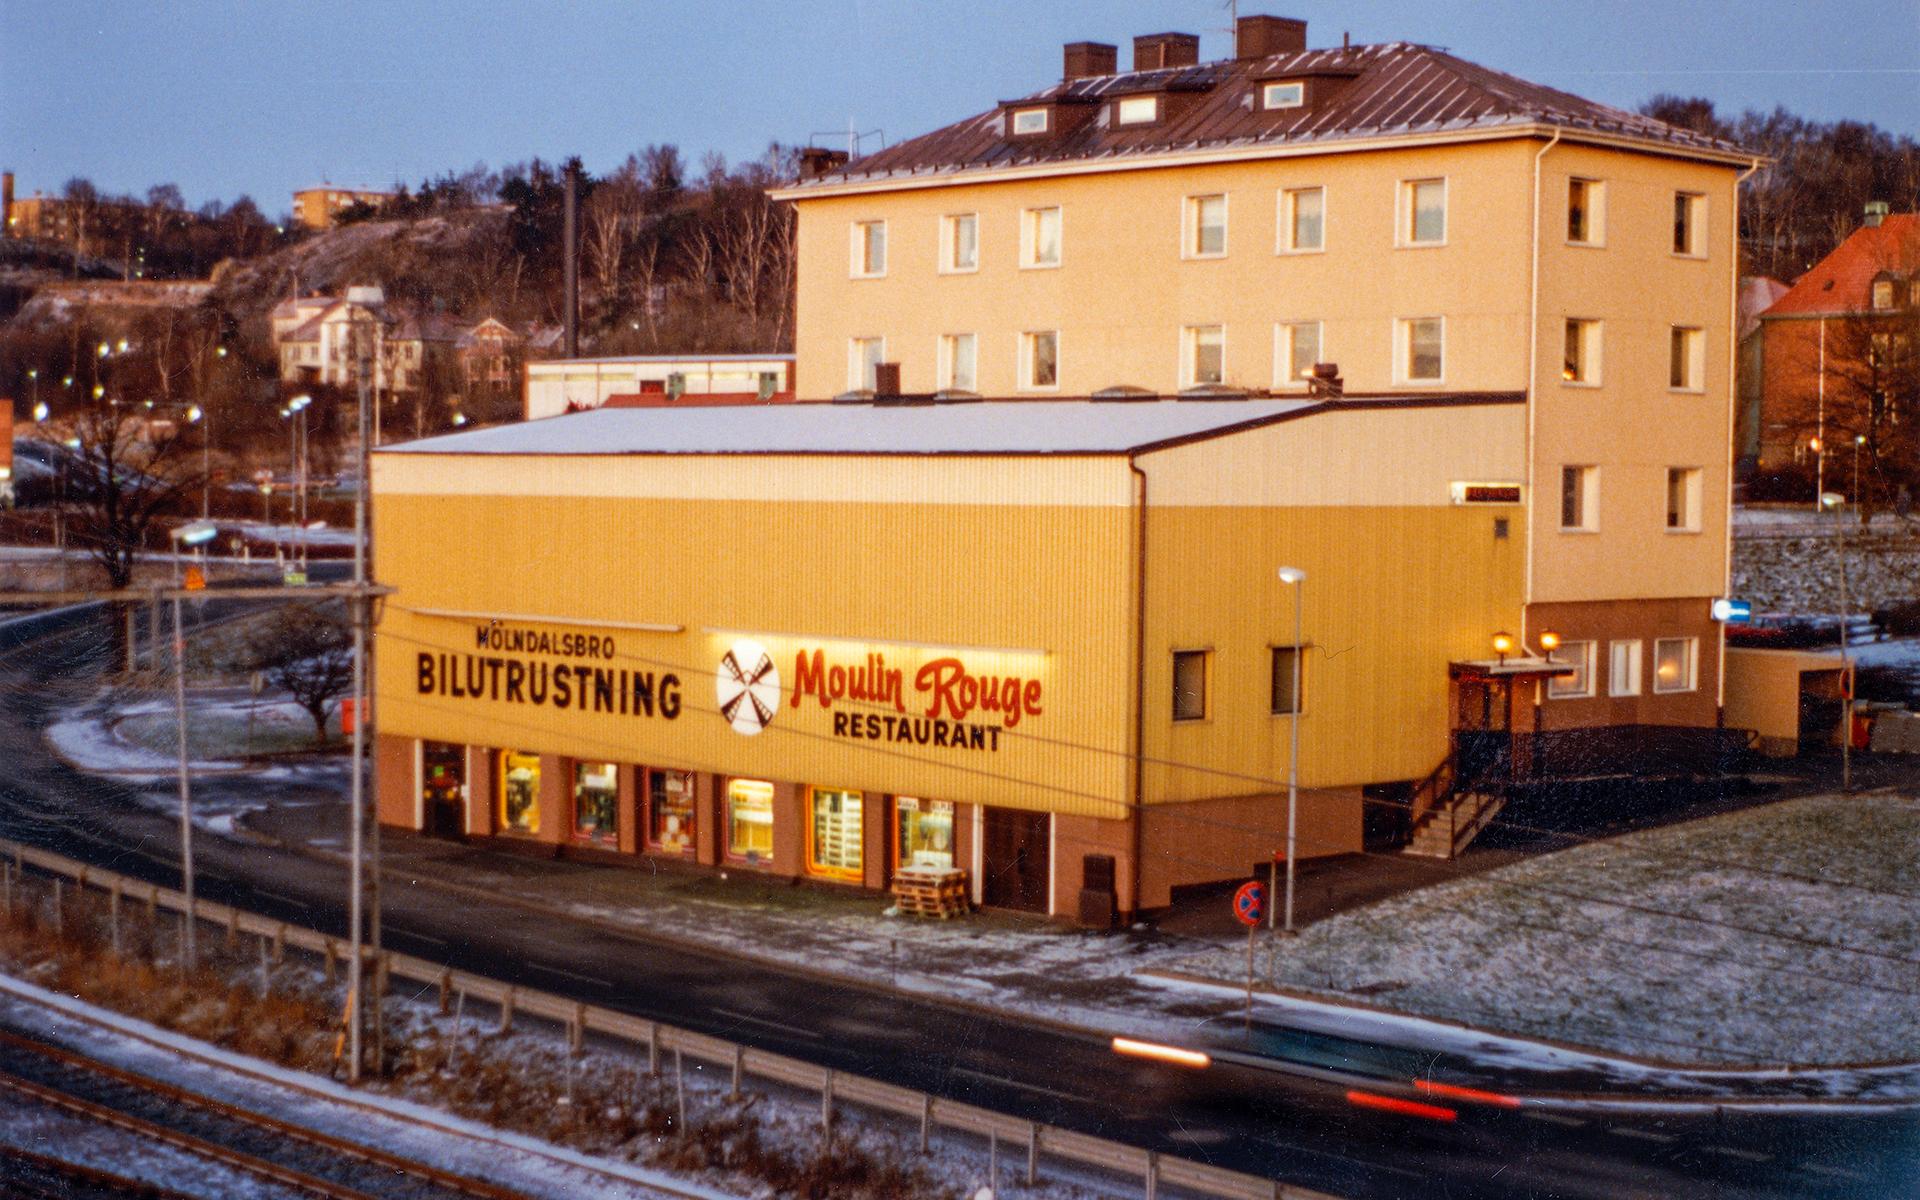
(1303, 219)
(864, 356)
(1579, 656)
(1040, 359)
(833, 833)
(1206, 353)
(1424, 212)
(960, 242)
(1296, 348)
(1585, 212)
(1582, 354)
(1040, 237)
(1206, 226)
(1689, 215)
(1190, 685)
(869, 249)
(1674, 662)
(1579, 498)
(596, 801)
(1422, 350)
(923, 833)
(957, 362)
(1281, 681)
(1685, 359)
(750, 819)
(670, 811)
(1283, 95)
(1683, 499)
(1029, 120)
(520, 791)
(1882, 293)
(1623, 668)
(1136, 110)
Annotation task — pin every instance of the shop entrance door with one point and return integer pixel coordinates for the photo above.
(1014, 859)
(1482, 732)
(443, 789)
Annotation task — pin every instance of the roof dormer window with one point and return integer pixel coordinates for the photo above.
(1136, 110)
(1029, 121)
(1283, 95)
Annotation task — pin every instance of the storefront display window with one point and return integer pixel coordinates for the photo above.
(596, 801)
(923, 833)
(670, 811)
(519, 791)
(750, 819)
(833, 833)
(443, 788)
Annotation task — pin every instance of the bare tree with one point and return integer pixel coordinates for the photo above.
(306, 652)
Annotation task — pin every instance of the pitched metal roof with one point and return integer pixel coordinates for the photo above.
(1000, 427)
(1396, 88)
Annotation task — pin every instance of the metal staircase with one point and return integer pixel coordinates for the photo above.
(1448, 814)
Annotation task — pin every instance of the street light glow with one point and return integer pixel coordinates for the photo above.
(40, 411)
(1292, 575)
(194, 413)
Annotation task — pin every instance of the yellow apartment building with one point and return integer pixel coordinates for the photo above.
(1000, 592)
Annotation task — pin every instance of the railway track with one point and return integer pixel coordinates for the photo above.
(260, 1145)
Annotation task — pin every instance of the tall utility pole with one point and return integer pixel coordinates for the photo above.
(356, 992)
(570, 248)
(187, 948)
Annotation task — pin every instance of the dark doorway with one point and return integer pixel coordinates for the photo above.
(1482, 734)
(1014, 859)
(443, 789)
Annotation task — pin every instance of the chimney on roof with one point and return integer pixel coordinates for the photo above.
(816, 161)
(1086, 59)
(886, 379)
(1153, 51)
(1264, 37)
(1877, 211)
(6, 203)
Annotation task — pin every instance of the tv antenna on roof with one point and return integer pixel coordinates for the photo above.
(854, 138)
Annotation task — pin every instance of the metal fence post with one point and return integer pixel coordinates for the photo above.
(680, 1091)
(506, 1010)
(826, 1109)
(1033, 1152)
(926, 1120)
(653, 1048)
(1153, 1175)
(739, 1064)
(59, 909)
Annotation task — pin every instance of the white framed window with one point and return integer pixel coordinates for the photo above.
(958, 359)
(1623, 667)
(864, 355)
(1579, 685)
(1881, 296)
(1689, 224)
(1040, 360)
(959, 243)
(1029, 120)
(1205, 227)
(869, 249)
(1283, 95)
(1579, 499)
(1203, 355)
(1303, 220)
(1586, 212)
(1420, 356)
(1040, 231)
(1136, 110)
(1296, 348)
(1683, 499)
(1423, 212)
(1580, 364)
(1676, 661)
(1190, 684)
(1686, 359)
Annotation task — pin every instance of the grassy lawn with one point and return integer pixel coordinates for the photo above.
(1783, 934)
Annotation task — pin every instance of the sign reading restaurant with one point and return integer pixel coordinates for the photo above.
(951, 705)
(582, 686)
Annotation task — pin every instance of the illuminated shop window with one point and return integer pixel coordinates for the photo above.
(833, 833)
(596, 801)
(520, 791)
(670, 809)
(750, 819)
(923, 833)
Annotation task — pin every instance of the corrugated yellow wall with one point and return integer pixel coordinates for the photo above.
(1046, 583)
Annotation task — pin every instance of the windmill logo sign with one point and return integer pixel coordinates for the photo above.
(747, 687)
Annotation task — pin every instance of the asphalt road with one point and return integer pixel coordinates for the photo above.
(1259, 1118)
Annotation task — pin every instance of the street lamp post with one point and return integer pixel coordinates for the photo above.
(190, 535)
(297, 435)
(1293, 577)
(1859, 440)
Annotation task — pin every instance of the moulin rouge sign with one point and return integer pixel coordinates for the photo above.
(942, 703)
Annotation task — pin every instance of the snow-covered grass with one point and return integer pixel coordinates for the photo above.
(525, 1088)
(1784, 934)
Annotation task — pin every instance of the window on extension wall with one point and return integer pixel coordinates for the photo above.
(1190, 684)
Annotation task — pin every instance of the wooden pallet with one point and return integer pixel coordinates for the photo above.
(940, 894)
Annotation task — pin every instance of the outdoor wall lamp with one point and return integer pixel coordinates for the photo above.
(1503, 644)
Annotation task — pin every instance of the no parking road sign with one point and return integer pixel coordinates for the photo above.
(1250, 904)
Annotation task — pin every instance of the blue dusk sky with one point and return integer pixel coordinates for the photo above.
(223, 97)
